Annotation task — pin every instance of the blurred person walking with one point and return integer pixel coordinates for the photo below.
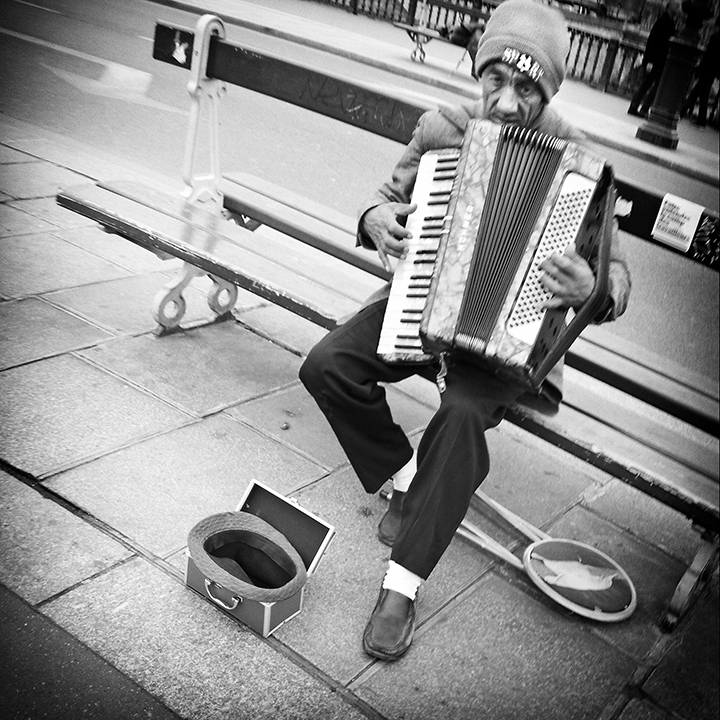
(653, 62)
(705, 74)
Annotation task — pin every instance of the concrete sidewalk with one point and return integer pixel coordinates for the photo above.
(115, 442)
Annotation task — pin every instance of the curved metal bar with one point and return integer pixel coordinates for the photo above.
(205, 94)
(218, 601)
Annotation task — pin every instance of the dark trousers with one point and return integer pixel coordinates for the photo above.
(643, 98)
(342, 373)
(699, 94)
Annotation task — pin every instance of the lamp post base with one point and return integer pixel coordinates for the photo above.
(660, 129)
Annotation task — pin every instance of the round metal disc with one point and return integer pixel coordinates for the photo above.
(581, 578)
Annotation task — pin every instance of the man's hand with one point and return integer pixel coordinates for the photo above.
(381, 225)
(568, 277)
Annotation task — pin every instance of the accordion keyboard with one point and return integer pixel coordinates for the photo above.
(400, 336)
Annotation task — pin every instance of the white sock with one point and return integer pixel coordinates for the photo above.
(401, 580)
(404, 476)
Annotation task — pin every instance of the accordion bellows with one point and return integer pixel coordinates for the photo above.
(517, 196)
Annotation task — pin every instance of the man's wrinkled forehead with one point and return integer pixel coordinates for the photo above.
(511, 74)
(522, 62)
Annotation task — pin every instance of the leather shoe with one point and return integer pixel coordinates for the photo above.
(390, 631)
(389, 525)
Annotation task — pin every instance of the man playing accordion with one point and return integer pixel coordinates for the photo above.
(520, 64)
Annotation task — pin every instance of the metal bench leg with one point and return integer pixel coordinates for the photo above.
(692, 581)
(222, 298)
(169, 304)
(201, 186)
(418, 54)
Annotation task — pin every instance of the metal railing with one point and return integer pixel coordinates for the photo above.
(602, 58)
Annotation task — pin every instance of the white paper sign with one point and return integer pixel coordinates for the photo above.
(677, 222)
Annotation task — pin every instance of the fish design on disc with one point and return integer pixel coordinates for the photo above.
(575, 575)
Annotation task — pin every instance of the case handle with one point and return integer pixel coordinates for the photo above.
(219, 601)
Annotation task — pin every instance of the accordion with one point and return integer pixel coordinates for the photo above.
(488, 214)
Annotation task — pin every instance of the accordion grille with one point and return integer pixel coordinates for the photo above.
(562, 229)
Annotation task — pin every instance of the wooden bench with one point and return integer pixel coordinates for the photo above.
(421, 33)
(621, 413)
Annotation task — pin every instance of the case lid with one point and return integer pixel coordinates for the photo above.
(306, 532)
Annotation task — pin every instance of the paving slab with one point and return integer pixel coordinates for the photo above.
(296, 334)
(195, 659)
(46, 208)
(57, 412)
(654, 574)
(44, 548)
(124, 306)
(345, 589)
(501, 655)
(33, 329)
(47, 674)
(153, 492)
(647, 518)
(534, 479)
(84, 162)
(292, 417)
(342, 594)
(643, 710)
(183, 367)
(33, 180)
(686, 681)
(115, 249)
(17, 222)
(659, 300)
(9, 155)
(38, 263)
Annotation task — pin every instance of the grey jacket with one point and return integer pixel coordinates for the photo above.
(445, 127)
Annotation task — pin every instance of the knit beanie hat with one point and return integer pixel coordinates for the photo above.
(531, 37)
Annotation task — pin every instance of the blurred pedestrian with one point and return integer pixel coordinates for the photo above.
(653, 62)
(705, 74)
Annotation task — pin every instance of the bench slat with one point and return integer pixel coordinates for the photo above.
(604, 336)
(647, 384)
(357, 103)
(421, 30)
(657, 430)
(158, 231)
(691, 493)
(265, 188)
(346, 278)
(287, 219)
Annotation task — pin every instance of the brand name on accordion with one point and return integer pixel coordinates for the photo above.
(524, 62)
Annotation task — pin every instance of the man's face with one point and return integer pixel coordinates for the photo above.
(510, 97)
